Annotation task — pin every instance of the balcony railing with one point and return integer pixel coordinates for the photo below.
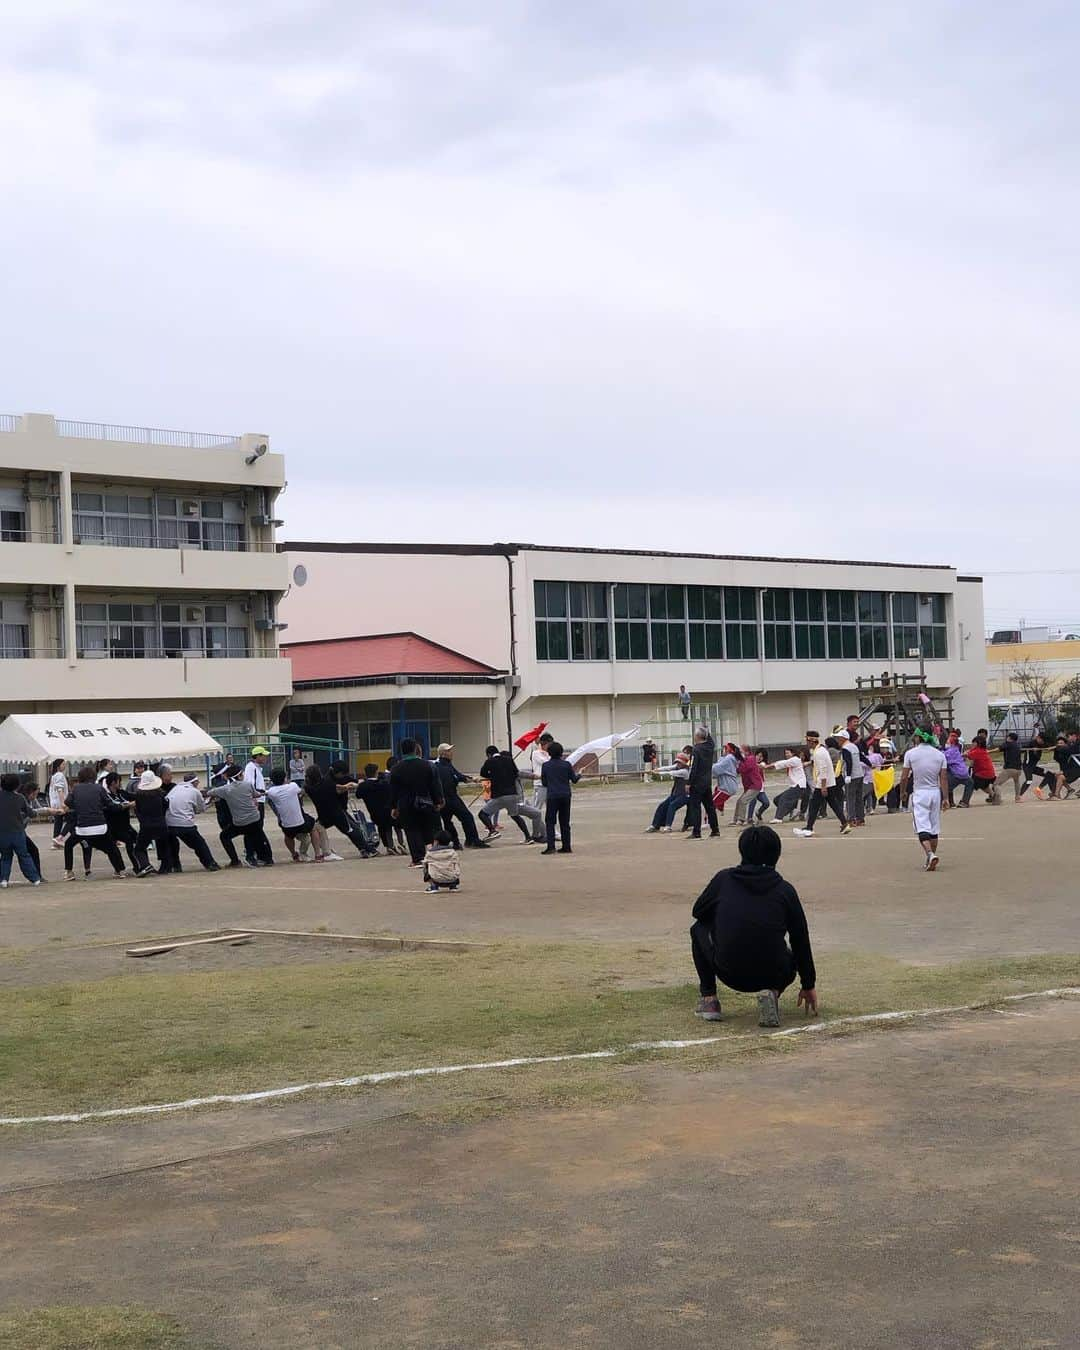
(119, 653)
(107, 431)
(126, 539)
(9, 421)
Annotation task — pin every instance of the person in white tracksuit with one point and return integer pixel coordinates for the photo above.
(926, 769)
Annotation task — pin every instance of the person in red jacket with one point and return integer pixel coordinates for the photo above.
(983, 773)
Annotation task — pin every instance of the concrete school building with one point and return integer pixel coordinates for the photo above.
(139, 570)
(593, 641)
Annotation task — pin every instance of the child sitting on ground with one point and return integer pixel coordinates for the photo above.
(442, 871)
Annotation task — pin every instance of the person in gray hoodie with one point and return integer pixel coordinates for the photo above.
(726, 773)
(243, 808)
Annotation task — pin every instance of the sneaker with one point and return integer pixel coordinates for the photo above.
(211, 867)
(664, 829)
(333, 857)
(238, 863)
(846, 829)
(33, 883)
(546, 850)
(86, 875)
(3, 885)
(932, 862)
(652, 829)
(803, 834)
(768, 1008)
(150, 872)
(708, 1009)
(480, 843)
(1039, 793)
(69, 876)
(432, 887)
(714, 834)
(566, 850)
(493, 833)
(693, 836)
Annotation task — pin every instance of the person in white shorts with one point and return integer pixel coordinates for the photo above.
(926, 768)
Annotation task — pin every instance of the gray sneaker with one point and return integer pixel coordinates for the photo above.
(768, 1009)
(708, 1009)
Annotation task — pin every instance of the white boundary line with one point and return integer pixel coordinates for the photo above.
(436, 1071)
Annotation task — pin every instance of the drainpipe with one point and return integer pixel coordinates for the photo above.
(67, 539)
(611, 652)
(513, 645)
(761, 637)
(892, 644)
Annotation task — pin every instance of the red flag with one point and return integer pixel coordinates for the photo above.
(523, 742)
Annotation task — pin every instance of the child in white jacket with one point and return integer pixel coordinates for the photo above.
(442, 870)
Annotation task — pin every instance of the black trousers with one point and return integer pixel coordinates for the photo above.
(256, 844)
(701, 797)
(103, 842)
(455, 809)
(557, 811)
(419, 827)
(341, 822)
(189, 835)
(767, 976)
(159, 836)
(832, 798)
(790, 800)
(122, 832)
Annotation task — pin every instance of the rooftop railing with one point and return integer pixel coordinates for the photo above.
(109, 431)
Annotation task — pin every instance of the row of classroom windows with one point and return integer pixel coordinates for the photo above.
(720, 623)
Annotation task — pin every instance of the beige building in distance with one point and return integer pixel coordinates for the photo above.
(138, 569)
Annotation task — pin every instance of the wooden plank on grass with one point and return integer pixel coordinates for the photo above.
(159, 949)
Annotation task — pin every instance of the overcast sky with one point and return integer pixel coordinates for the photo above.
(793, 278)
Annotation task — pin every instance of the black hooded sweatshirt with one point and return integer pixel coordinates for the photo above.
(751, 911)
(701, 762)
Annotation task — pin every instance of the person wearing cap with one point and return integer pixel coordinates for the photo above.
(927, 772)
(825, 793)
(453, 808)
(677, 798)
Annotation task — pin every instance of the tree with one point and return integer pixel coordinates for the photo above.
(1035, 683)
(1068, 704)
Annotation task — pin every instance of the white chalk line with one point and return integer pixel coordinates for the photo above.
(442, 1070)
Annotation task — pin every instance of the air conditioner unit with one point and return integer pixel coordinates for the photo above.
(248, 729)
(193, 614)
(190, 508)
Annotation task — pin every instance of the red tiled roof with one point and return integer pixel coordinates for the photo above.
(386, 654)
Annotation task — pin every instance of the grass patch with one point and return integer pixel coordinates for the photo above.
(90, 1329)
(161, 1038)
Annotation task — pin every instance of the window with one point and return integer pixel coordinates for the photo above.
(920, 621)
(631, 606)
(588, 621)
(705, 609)
(808, 608)
(905, 625)
(667, 627)
(132, 520)
(13, 527)
(740, 623)
(134, 631)
(776, 612)
(552, 636)
(873, 607)
(14, 631)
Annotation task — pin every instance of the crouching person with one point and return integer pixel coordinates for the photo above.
(744, 921)
(442, 870)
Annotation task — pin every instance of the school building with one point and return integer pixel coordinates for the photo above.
(139, 569)
(475, 643)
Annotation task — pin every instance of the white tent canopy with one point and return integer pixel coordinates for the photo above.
(28, 738)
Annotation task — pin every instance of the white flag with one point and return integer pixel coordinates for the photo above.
(601, 745)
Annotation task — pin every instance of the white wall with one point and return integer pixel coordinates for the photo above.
(460, 602)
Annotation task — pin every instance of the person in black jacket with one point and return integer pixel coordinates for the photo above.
(121, 830)
(150, 813)
(329, 796)
(89, 805)
(743, 922)
(453, 807)
(415, 799)
(699, 785)
(374, 791)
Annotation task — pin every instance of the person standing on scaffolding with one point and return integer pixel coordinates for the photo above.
(684, 702)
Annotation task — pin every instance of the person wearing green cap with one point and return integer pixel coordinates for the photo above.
(927, 771)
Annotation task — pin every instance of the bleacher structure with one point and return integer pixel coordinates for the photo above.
(670, 731)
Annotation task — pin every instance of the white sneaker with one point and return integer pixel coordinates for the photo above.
(803, 834)
(652, 829)
(932, 862)
(333, 857)
(3, 885)
(664, 829)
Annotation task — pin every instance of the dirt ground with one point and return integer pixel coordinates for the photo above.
(1006, 886)
(913, 1188)
(909, 1187)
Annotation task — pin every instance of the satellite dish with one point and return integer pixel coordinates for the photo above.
(299, 575)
